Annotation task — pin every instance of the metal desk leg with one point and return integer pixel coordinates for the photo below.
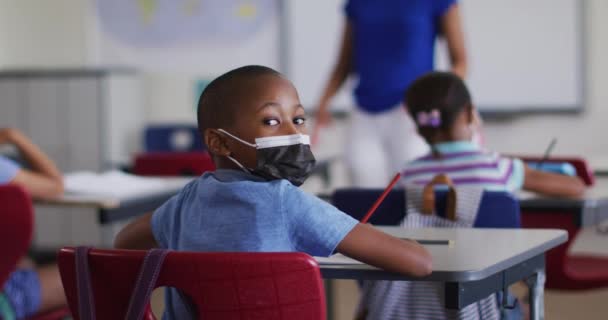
(329, 298)
(536, 287)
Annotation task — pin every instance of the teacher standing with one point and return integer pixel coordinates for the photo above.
(387, 44)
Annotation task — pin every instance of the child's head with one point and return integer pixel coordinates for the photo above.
(248, 103)
(440, 104)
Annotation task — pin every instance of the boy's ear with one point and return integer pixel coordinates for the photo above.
(216, 142)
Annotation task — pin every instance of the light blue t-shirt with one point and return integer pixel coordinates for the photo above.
(8, 170)
(229, 210)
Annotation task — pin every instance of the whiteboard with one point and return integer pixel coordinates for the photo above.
(314, 31)
(523, 55)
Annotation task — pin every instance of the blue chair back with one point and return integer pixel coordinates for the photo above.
(496, 210)
(172, 138)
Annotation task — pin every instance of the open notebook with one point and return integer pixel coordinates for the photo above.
(339, 258)
(114, 184)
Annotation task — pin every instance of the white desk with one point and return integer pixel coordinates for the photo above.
(599, 164)
(480, 262)
(113, 209)
(590, 209)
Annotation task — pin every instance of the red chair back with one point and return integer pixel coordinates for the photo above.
(16, 214)
(583, 170)
(173, 164)
(220, 285)
(556, 258)
(565, 271)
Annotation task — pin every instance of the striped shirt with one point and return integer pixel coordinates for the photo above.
(466, 164)
(420, 300)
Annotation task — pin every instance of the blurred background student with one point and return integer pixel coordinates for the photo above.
(30, 289)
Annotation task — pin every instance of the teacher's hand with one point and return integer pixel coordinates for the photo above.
(323, 119)
(323, 116)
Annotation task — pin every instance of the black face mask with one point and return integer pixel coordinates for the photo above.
(280, 157)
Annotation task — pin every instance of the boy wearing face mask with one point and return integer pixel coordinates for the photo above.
(253, 124)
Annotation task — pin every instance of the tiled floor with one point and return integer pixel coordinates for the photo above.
(590, 305)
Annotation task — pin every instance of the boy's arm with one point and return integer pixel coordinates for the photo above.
(374, 247)
(552, 184)
(137, 235)
(44, 180)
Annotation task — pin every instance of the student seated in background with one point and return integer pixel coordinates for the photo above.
(254, 126)
(30, 290)
(441, 106)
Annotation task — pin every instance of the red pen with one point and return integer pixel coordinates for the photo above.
(381, 198)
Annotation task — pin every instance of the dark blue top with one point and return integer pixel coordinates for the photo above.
(394, 42)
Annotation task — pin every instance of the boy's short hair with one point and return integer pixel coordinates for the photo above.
(219, 102)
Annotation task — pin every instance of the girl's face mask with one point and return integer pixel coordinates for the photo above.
(280, 157)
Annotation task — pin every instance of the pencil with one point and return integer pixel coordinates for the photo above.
(547, 153)
(435, 242)
(381, 198)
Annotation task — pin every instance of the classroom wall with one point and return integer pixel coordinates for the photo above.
(42, 33)
(577, 134)
(52, 34)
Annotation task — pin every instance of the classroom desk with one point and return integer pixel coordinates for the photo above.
(599, 164)
(473, 266)
(590, 209)
(113, 209)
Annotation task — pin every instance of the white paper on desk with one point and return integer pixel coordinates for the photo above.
(337, 259)
(114, 184)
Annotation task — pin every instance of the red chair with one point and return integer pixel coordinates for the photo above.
(568, 272)
(16, 227)
(220, 285)
(173, 164)
(15, 235)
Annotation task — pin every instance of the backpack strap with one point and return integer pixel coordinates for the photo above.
(428, 196)
(86, 303)
(146, 281)
(467, 206)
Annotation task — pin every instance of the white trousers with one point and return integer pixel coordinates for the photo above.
(379, 145)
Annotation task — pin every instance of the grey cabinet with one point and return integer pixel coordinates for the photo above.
(85, 119)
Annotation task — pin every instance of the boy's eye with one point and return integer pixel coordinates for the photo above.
(271, 122)
(299, 120)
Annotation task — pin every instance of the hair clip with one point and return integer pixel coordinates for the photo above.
(429, 119)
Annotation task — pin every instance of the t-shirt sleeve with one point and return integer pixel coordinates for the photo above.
(163, 221)
(442, 6)
(8, 170)
(316, 226)
(516, 180)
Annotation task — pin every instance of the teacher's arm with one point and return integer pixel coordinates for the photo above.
(341, 70)
(451, 27)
